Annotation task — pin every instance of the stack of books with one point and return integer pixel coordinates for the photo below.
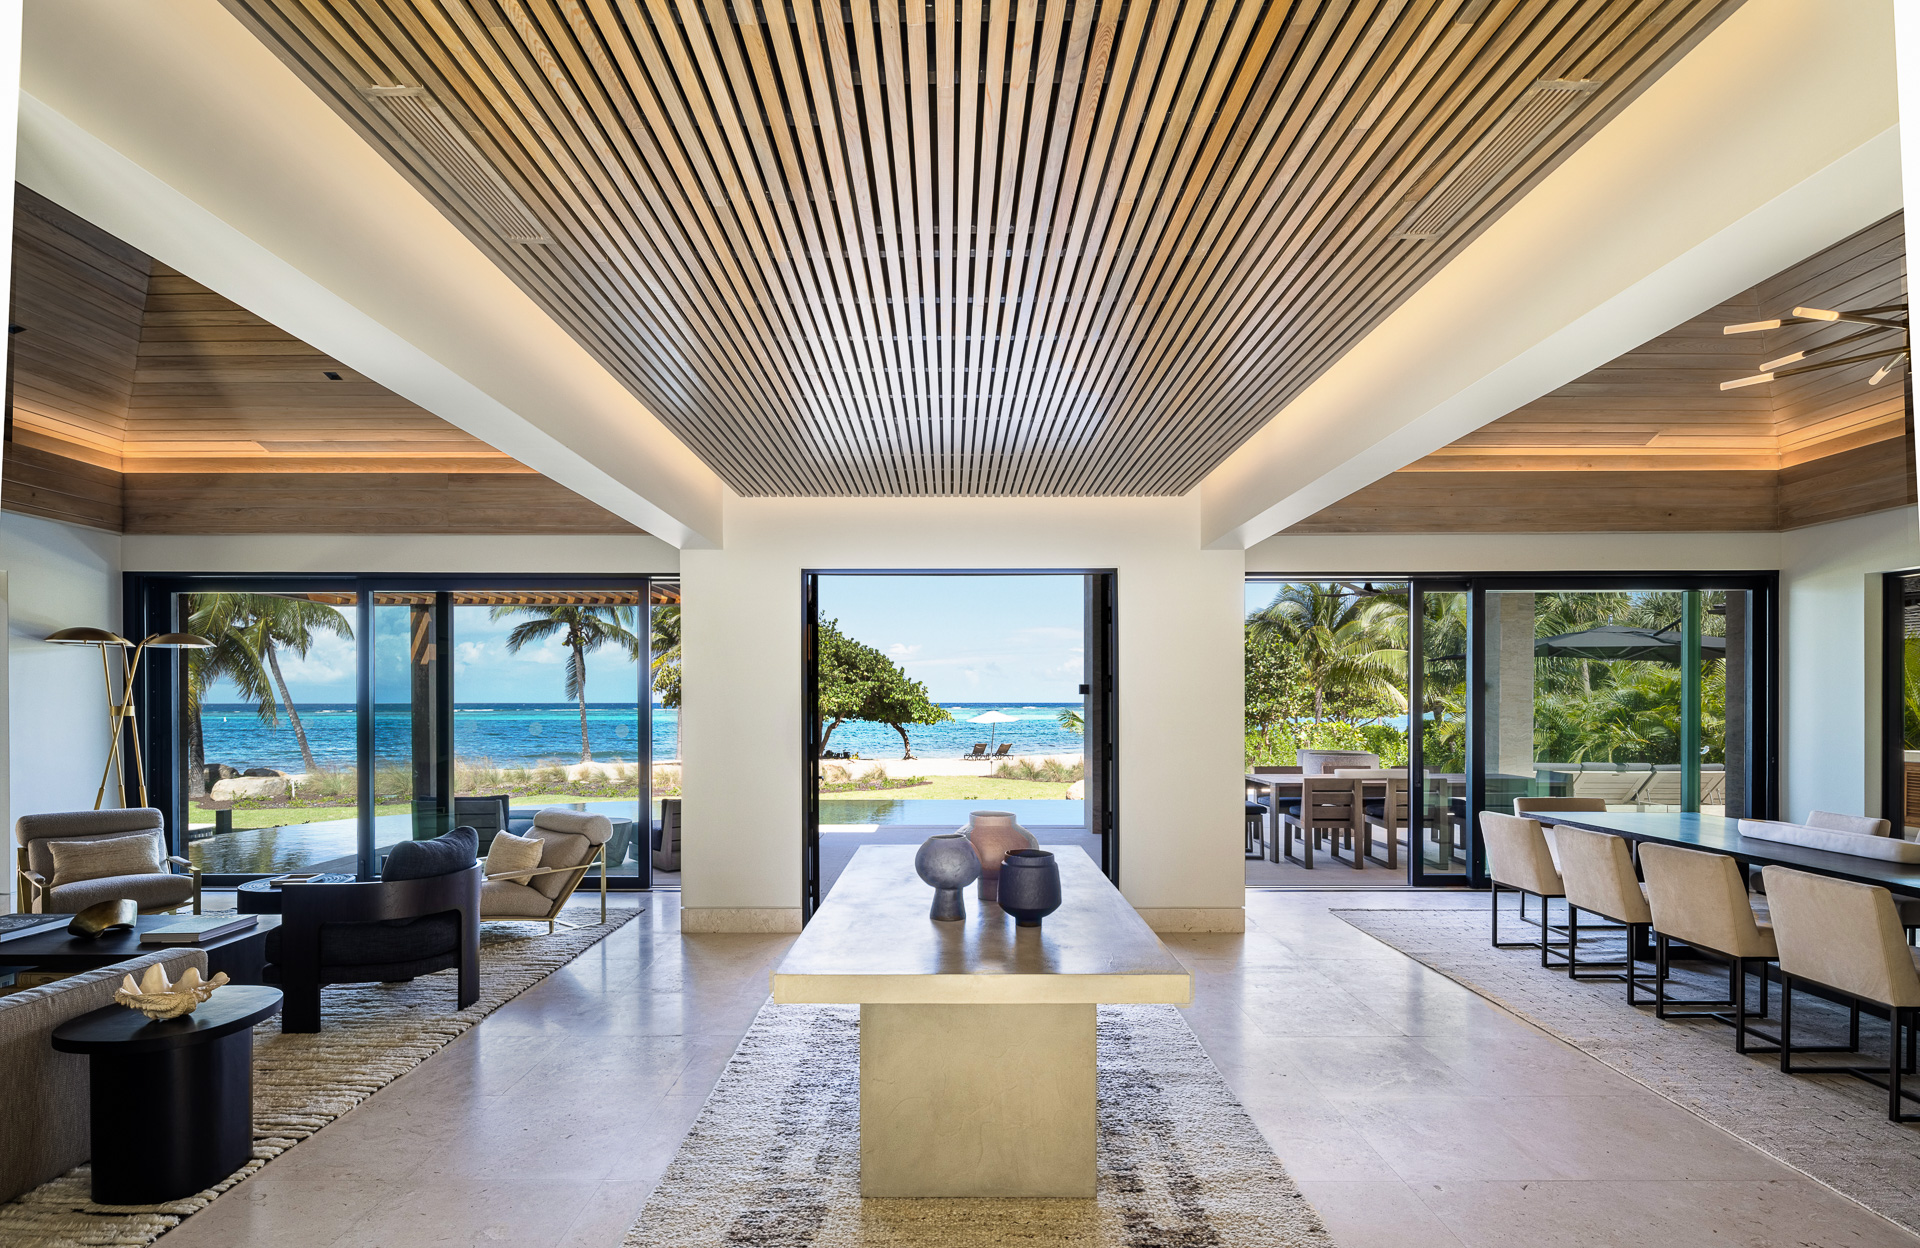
(198, 930)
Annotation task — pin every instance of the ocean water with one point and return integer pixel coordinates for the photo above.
(510, 734)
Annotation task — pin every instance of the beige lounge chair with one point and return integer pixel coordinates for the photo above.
(576, 842)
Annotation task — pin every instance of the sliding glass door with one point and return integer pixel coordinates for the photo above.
(1650, 692)
(334, 718)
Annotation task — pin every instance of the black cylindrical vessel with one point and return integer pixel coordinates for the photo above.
(1029, 886)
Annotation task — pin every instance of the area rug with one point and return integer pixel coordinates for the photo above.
(774, 1158)
(371, 1035)
(1832, 1128)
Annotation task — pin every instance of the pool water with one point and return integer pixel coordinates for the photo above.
(944, 812)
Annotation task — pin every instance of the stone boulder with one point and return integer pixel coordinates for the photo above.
(217, 772)
(263, 771)
(1077, 791)
(250, 787)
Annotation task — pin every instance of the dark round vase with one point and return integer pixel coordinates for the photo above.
(1029, 886)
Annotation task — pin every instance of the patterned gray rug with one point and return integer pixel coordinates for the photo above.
(1833, 1128)
(371, 1035)
(774, 1158)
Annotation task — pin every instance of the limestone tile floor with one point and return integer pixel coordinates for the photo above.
(1410, 1110)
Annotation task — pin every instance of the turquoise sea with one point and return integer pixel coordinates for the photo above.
(510, 734)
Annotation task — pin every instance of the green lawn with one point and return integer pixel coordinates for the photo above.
(286, 816)
(959, 788)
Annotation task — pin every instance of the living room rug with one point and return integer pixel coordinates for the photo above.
(774, 1158)
(371, 1035)
(1832, 1128)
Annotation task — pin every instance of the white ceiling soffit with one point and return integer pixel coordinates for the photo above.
(1774, 138)
(173, 127)
(907, 247)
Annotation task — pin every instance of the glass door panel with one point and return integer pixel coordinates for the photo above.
(406, 794)
(1638, 698)
(1442, 836)
(268, 725)
(545, 711)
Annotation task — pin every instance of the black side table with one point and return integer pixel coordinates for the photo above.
(172, 1102)
(263, 896)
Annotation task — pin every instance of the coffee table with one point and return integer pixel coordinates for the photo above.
(171, 1102)
(240, 955)
(977, 1051)
(263, 896)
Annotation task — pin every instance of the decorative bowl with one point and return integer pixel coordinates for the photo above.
(158, 999)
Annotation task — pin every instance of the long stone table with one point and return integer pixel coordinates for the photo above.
(977, 1053)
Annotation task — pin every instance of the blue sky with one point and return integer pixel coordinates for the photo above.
(970, 638)
(484, 670)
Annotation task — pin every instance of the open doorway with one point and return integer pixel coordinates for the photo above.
(933, 695)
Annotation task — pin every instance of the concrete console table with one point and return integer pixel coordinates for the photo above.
(977, 1053)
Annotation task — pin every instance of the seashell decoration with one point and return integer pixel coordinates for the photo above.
(158, 999)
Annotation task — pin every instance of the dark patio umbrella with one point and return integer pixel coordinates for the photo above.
(1616, 641)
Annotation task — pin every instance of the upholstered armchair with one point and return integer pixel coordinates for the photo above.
(69, 861)
(422, 916)
(572, 842)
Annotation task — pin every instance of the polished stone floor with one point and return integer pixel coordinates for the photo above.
(1410, 1110)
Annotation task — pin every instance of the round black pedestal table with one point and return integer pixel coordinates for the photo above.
(263, 896)
(172, 1101)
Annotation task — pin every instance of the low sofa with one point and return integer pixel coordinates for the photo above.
(45, 1128)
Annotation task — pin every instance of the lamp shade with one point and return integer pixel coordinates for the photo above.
(178, 641)
(87, 637)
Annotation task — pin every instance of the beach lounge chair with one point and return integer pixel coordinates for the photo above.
(1005, 747)
(979, 750)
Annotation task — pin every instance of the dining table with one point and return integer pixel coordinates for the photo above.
(1720, 834)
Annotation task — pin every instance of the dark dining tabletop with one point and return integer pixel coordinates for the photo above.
(1720, 834)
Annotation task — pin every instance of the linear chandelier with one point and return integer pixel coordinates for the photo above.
(1881, 338)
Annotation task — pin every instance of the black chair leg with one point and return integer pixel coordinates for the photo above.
(1895, 1067)
(1786, 1023)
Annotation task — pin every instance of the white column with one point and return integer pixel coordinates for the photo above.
(9, 129)
(1906, 46)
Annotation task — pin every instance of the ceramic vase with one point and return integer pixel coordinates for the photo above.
(995, 834)
(948, 863)
(1029, 886)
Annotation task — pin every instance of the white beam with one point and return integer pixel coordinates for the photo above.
(1906, 31)
(1774, 138)
(172, 127)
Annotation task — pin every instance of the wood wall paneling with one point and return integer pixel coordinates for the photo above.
(34, 482)
(414, 502)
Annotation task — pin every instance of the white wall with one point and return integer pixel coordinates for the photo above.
(57, 576)
(1179, 666)
(1403, 553)
(1830, 618)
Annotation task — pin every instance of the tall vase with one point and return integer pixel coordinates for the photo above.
(995, 834)
(947, 863)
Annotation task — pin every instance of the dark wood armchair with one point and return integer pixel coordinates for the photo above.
(373, 933)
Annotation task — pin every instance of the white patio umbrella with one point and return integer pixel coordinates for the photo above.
(993, 719)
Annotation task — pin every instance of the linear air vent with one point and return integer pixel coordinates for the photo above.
(444, 145)
(1498, 153)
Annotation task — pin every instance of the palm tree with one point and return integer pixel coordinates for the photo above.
(666, 653)
(248, 632)
(1352, 647)
(582, 629)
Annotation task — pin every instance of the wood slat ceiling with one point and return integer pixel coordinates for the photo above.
(973, 246)
(1659, 407)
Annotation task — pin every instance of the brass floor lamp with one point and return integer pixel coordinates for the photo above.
(120, 701)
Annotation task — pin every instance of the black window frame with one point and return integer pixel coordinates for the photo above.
(148, 607)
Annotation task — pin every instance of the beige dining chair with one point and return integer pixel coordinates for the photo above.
(1329, 807)
(1701, 899)
(1847, 938)
(1551, 805)
(1597, 870)
(1518, 861)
